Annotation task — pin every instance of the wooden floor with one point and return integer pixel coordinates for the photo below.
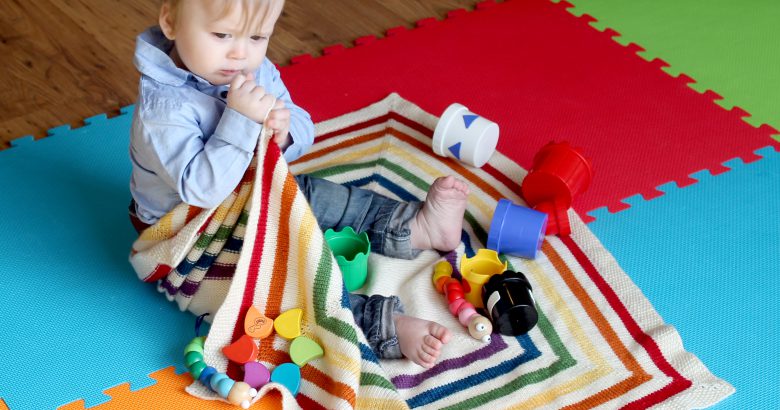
(65, 60)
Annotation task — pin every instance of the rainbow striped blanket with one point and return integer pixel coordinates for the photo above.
(599, 342)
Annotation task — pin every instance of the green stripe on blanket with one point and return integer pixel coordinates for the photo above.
(598, 342)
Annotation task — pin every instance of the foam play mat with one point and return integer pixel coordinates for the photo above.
(682, 213)
(598, 340)
(723, 46)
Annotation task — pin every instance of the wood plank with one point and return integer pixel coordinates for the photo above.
(65, 60)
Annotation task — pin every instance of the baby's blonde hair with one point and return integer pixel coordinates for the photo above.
(252, 20)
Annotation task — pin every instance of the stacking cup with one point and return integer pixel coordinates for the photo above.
(465, 136)
(351, 251)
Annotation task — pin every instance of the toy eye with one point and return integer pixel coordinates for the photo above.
(480, 327)
(486, 338)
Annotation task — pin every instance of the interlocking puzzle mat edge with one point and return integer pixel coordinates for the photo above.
(363, 41)
(710, 18)
(718, 241)
(647, 192)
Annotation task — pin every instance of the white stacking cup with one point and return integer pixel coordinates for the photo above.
(465, 136)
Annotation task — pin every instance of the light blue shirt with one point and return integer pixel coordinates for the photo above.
(185, 145)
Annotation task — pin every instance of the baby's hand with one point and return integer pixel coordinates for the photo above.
(279, 121)
(249, 99)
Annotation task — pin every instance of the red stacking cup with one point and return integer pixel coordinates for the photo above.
(559, 173)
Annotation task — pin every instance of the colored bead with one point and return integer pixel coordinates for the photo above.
(193, 346)
(196, 369)
(303, 349)
(464, 305)
(480, 328)
(454, 306)
(465, 314)
(215, 379)
(442, 268)
(256, 374)
(257, 325)
(288, 324)
(439, 284)
(241, 394)
(224, 386)
(241, 351)
(452, 284)
(441, 272)
(454, 294)
(192, 357)
(206, 374)
(288, 375)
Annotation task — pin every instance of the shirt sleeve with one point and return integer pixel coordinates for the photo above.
(203, 173)
(301, 125)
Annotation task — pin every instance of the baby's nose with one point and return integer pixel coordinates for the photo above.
(238, 50)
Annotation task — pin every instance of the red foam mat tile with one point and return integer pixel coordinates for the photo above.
(541, 74)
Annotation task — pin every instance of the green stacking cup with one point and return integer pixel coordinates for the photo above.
(351, 251)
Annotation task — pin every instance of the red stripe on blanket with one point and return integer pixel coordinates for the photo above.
(679, 383)
(159, 272)
(274, 302)
(307, 403)
(392, 115)
(422, 129)
(637, 375)
(272, 155)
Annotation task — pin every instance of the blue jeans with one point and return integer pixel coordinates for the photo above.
(374, 315)
(386, 221)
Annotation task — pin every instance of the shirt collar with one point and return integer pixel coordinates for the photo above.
(152, 60)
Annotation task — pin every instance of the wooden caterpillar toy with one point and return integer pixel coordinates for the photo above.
(479, 326)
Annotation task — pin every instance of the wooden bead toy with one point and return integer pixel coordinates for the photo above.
(288, 324)
(256, 325)
(243, 350)
(304, 349)
(479, 327)
(256, 374)
(239, 393)
(288, 375)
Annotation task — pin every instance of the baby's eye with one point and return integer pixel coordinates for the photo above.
(257, 38)
(220, 35)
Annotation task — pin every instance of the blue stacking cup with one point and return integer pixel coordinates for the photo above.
(516, 230)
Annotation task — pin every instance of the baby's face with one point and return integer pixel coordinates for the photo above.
(217, 45)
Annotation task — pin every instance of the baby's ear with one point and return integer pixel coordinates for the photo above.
(167, 21)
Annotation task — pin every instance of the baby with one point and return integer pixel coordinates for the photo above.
(206, 91)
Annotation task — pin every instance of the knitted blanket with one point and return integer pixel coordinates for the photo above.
(598, 340)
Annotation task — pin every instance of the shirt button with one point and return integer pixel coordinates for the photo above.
(223, 94)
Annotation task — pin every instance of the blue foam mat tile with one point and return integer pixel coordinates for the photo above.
(74, 317)
(708, 258)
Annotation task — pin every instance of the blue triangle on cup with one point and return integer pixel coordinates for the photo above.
(468, 119)
(455, 150)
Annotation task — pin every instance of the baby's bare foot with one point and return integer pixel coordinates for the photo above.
(420, 340)
(439, 221)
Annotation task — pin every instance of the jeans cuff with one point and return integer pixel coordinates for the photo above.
(387, 347)
(392, 236)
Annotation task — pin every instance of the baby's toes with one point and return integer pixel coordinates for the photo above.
(426, 359)
(440, 332)
(431, 350)
(461, 186)
(432, 342)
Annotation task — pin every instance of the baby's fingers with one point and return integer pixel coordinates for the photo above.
(237, 82)
(279, 114)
